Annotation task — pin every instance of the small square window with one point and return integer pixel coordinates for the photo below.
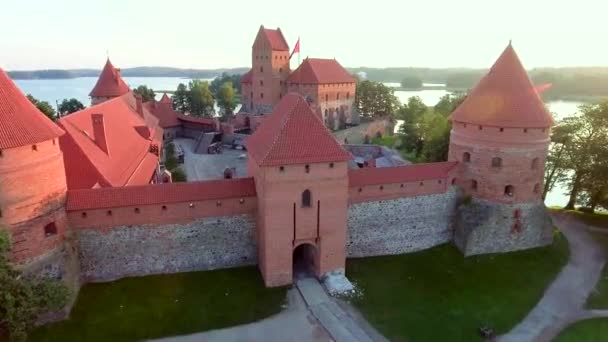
(282, 168)
(136, 210)
(34, 147)
(218, 203)
(360, 189)
(109, 212)
(83, 215)
(307, 168)
(241, 201)
(331, 165)
(191, 205)
(164, 207)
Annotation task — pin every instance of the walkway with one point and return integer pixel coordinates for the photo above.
(311, 316)
(564, 301)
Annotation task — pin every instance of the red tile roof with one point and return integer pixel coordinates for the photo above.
(166, 99)
(399, 174)
(505, 97)
(164, 112)
(86, 199)
(320, 71)
(247, 77)
(128, 160)
(293, 134)
(276, 39)
(21, 123)
(110, 83)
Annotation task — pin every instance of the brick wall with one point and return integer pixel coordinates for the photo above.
(400, 225)
(390, 191)
(137, 250)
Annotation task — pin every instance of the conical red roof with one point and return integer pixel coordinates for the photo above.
(505, 97)
(165, 99)
(21, 123)
(293, 134)
(110, 83)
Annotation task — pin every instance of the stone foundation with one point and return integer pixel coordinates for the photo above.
(401, 225)
(204, 244)
(486, 227)
(59, 264)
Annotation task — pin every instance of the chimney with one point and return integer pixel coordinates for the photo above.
(140, 107)
(99, 133)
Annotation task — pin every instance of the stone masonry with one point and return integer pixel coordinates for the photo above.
(401, 225)
(205, 244)
(487, 227)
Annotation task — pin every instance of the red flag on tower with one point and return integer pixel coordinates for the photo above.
(296, 48)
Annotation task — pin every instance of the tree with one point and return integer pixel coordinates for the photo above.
(201, 100)
(448, 103)
(217, 83)
(374, 99)
(23, 299)
(180, 98)
(587, 142)
(555, 165)
(411, 113)
(226, 99)
(435, 132)
(411, 82)
(43, 106)
(147, 94)
(70, 106)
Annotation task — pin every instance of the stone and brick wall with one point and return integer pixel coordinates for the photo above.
(400, 225)
(488, 227)
(137, 250)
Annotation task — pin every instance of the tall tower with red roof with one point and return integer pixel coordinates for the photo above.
(109, 85)
(500, 134)
(301, 176)
(32, 177)
(265, 84)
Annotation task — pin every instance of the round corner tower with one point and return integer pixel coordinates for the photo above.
(500, 135)
(109, 85)
(32, 177)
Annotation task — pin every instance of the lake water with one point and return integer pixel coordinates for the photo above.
(54, 91)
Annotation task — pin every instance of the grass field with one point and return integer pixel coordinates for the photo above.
(438, 295)
(592, 330)
(133, 309)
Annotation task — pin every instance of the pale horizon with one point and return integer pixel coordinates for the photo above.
(70, 34)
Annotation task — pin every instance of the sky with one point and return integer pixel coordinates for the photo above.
(66, 34)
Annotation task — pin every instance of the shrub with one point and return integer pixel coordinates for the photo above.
(23, 299)
(178, 175)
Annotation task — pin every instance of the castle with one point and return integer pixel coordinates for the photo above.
(301, 199)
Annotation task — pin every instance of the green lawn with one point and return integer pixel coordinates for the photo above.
(597, 219)
(592, 330)
(438, 295)
(133, 309)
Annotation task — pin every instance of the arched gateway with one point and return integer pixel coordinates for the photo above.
(301, 176)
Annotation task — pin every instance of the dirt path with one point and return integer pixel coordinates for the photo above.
(564, 301)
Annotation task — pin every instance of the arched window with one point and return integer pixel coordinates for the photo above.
(466, 157)
(50, 229)
(326, 97)
(534, 164)
(473, 185)
(496, 162)
(306, 198)
(536, 188)
(348, 95)
(261, 69)
(509, 190)
(261, 82)
(337, 96)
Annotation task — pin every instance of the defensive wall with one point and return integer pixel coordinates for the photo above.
(180, 227)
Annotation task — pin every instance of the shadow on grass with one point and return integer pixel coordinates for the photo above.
(139, 308)
(438, 295)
